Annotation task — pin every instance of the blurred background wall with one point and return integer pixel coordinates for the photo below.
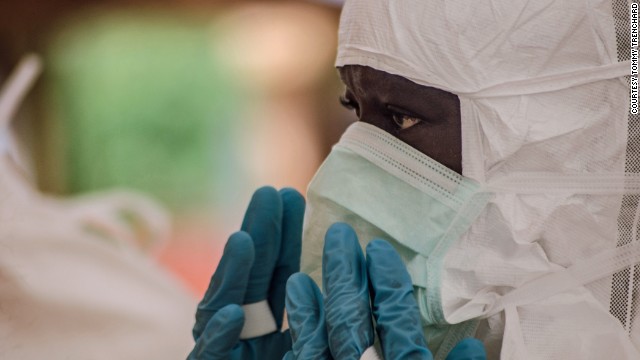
(196, 103)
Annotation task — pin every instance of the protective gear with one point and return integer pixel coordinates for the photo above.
(421, 212)
(220, 335)
(468, 349)
(72, 288)
(340, 326)
(546, 128)
(253, 271)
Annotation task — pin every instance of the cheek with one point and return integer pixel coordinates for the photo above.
(440, 142)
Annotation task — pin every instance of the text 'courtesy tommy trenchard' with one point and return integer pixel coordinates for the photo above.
(633, 14)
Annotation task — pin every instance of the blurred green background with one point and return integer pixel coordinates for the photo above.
(195, 103)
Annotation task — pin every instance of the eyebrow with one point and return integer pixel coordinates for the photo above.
(403, 111)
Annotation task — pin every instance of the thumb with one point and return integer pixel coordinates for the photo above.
(220, 335)
(468, 349)
(306, 319)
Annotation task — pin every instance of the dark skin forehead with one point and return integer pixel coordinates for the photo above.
(378, 97)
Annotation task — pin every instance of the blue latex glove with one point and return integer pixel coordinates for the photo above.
(339, 326)
(255, 266)
(468, 349)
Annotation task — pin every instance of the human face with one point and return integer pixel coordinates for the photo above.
(426, 118)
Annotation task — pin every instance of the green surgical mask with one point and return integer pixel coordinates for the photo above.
(385, 189)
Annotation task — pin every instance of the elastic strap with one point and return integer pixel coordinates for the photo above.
(577, 183)
(258, 320)
(516, 348)
(526, 86)
(553, 82)
(582, 272)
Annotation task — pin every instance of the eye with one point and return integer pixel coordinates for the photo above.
(405, 121)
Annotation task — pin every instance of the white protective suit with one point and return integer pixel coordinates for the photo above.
(546, 128)
(72, 283)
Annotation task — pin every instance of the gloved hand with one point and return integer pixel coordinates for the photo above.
(339, 326)
(254, 268)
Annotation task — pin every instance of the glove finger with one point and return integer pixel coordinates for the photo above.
(220, 335)
(288, 262)
(394, 307)
(347, 306)
(468, 349)
(263, 221)
(229, 282)
(306, 319)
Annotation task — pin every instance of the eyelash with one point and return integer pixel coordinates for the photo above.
(397, 117)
